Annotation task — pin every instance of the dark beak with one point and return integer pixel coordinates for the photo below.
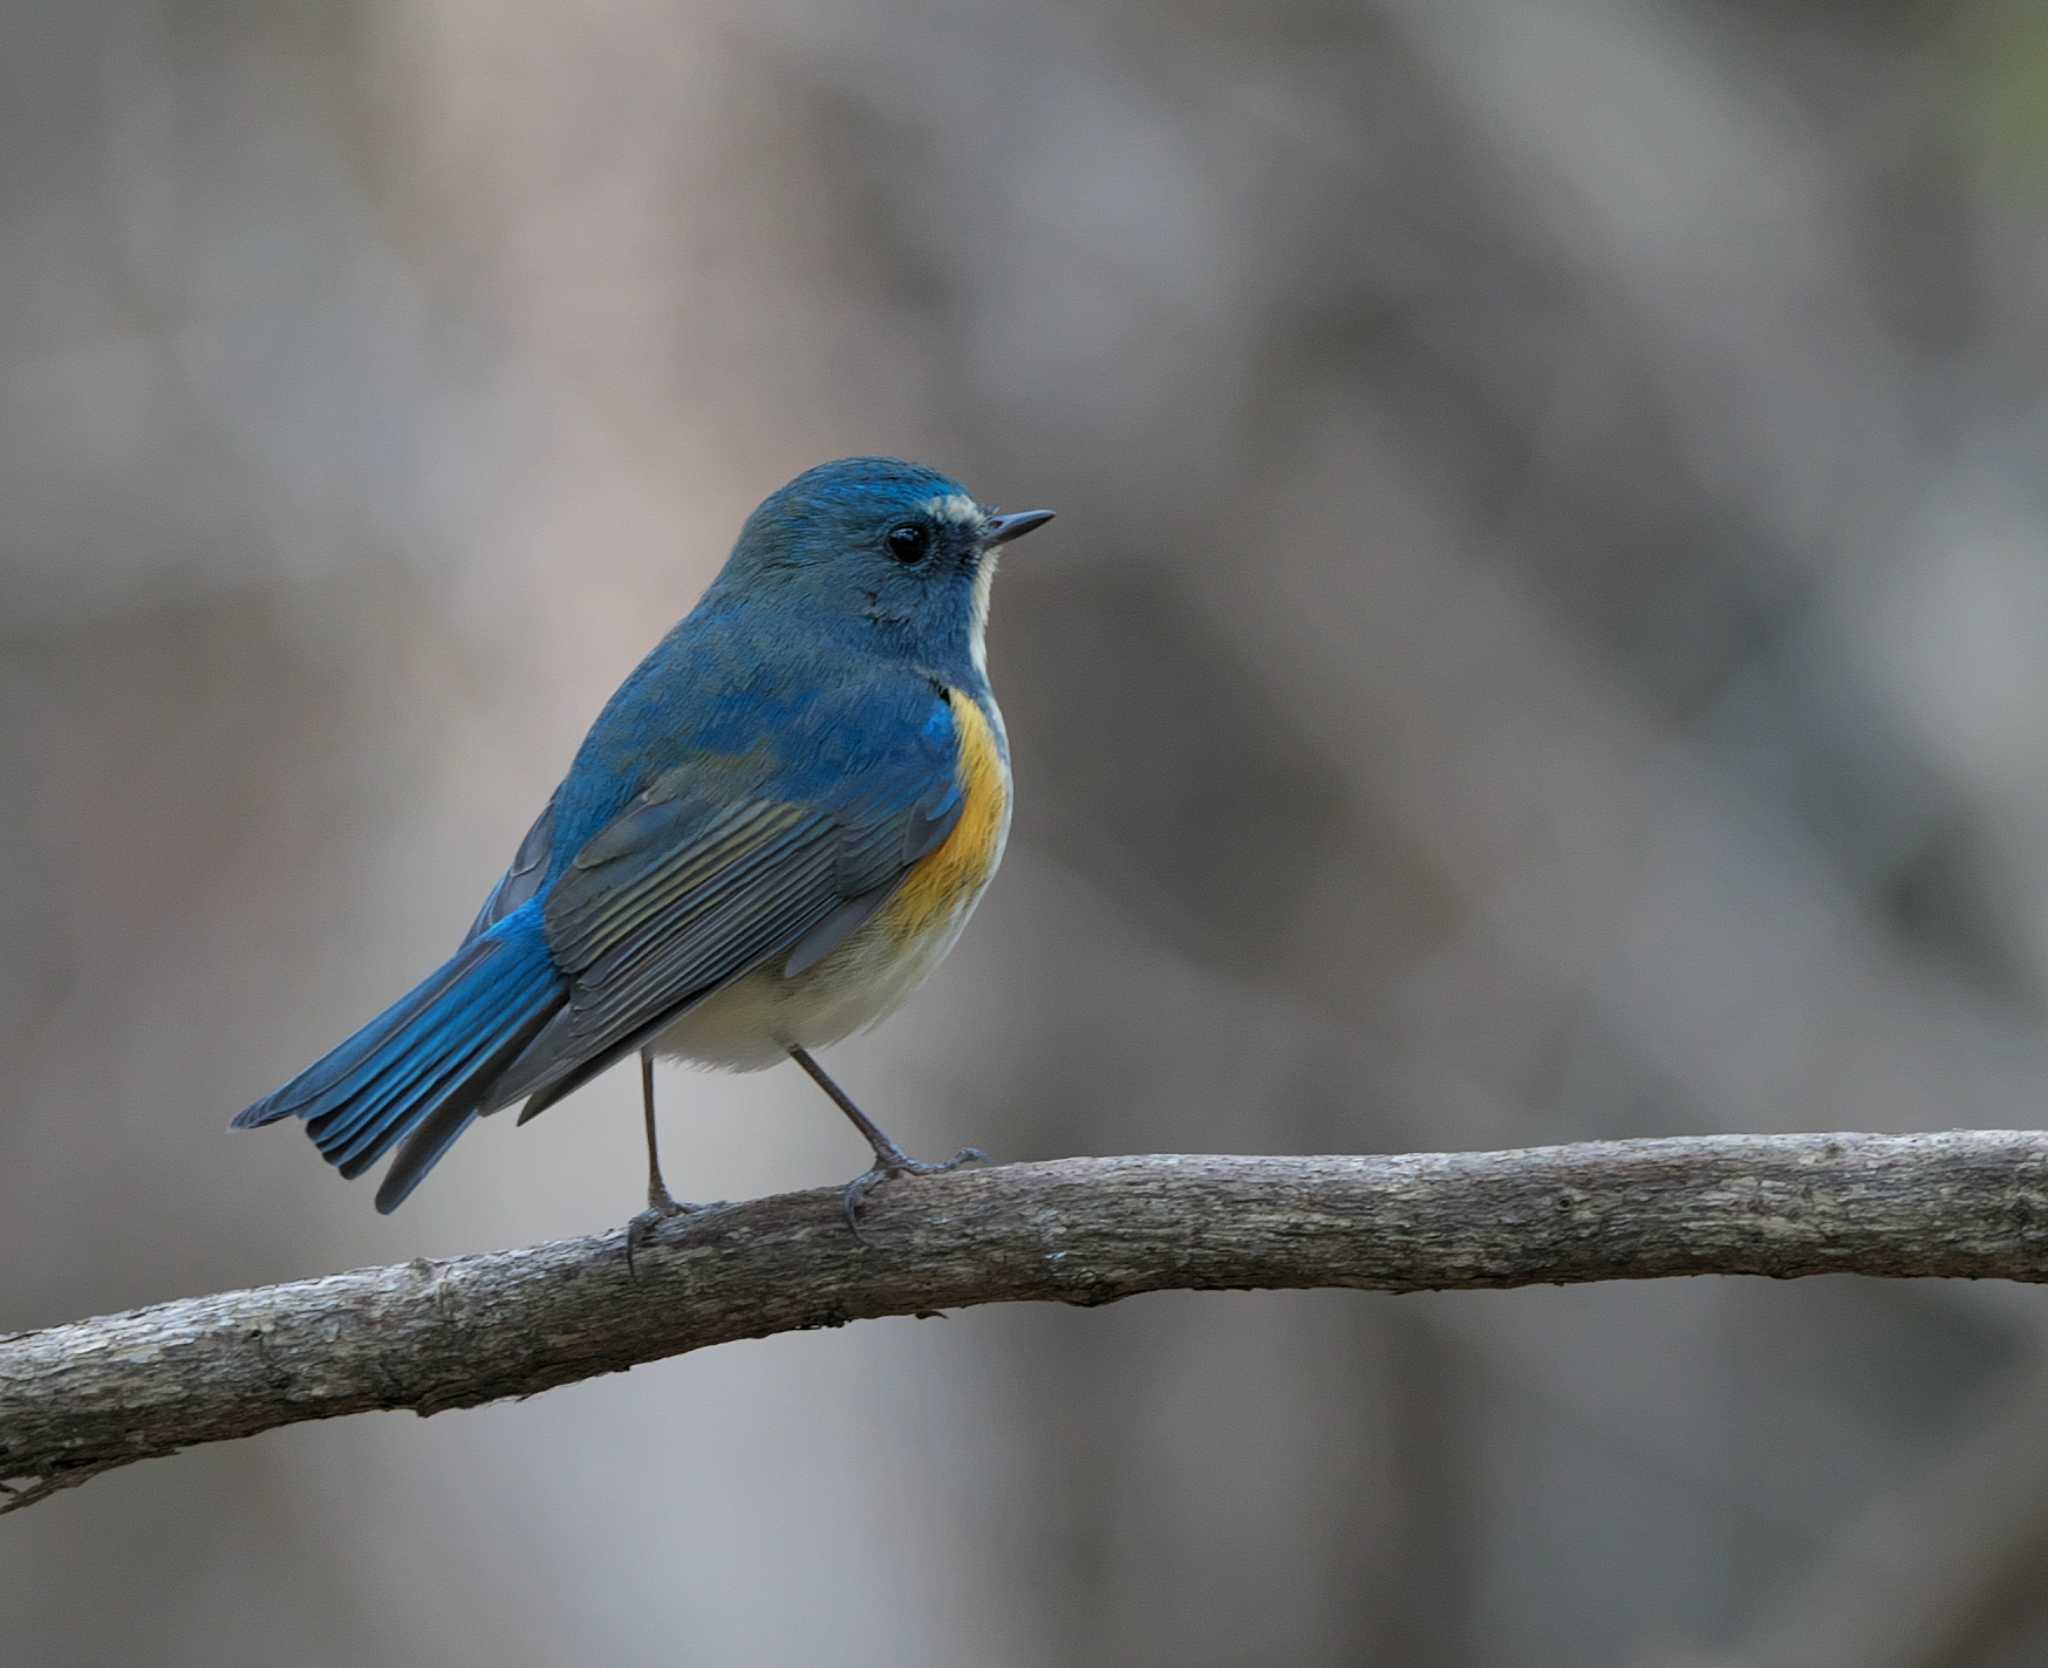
(1003, 528)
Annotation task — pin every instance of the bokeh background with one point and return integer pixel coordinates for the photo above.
(1543, 641)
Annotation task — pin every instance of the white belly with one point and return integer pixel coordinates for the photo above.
(751, 1023)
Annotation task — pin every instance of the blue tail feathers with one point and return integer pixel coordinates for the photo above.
(435, 1054)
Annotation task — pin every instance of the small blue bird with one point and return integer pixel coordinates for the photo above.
(774, 831)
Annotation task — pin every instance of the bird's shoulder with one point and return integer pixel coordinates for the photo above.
(725, 709)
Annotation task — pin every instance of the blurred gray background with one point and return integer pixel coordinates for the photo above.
(1542, 641)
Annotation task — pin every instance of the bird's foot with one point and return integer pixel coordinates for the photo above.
(660, 1208)
(891, 1164)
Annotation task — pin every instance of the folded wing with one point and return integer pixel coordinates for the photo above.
(684, 892)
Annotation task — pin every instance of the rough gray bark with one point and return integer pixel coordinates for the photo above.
(80, 1399)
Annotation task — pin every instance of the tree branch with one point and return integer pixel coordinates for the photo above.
(80, 1399)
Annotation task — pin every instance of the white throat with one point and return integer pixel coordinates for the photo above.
(977, 629)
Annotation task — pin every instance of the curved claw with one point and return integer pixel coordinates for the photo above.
(886, 1169)
(642, 1226)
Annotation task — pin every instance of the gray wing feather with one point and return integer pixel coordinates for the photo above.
(835, 930)
(886, 852)
(658, 922)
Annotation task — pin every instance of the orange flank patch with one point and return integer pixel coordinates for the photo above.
(958, 869)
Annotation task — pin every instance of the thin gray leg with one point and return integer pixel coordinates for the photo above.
(661, 1204)
(890, 1159)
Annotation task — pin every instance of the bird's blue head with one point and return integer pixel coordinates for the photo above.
(882, 554)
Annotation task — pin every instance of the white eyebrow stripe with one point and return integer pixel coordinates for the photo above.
(955, 507)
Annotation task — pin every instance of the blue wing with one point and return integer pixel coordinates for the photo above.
(731, 860)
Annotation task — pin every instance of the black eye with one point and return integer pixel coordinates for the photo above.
(909, 543)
